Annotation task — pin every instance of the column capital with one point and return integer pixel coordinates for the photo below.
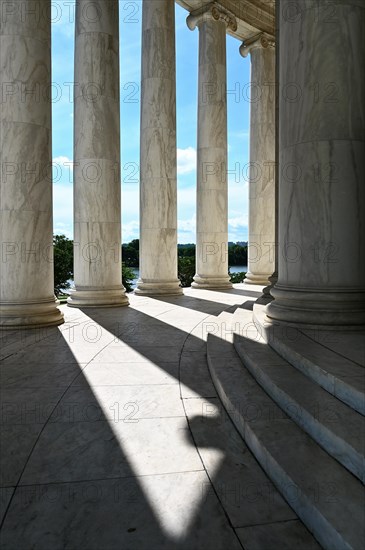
(261, 40)
(211, 12)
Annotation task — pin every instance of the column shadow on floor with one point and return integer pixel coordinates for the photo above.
(75, 485)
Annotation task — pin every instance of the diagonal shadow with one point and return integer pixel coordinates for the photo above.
(239, 292)
(197, 303)
(75, 485)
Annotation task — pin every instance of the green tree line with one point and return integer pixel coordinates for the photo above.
(63, 262)
(237, 253)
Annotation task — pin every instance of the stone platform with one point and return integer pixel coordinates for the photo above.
(114, 435)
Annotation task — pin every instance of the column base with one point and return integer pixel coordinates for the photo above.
(29, 315)
(211, 282)
(114, 297)
(257, 279)
(162, 288)
(308, 307)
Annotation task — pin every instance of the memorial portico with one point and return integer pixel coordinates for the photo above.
(319, 218)
(127, 427)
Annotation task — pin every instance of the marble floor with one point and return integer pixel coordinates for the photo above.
(113, 436)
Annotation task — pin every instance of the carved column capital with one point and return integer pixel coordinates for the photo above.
(260, 40)
(211, 12)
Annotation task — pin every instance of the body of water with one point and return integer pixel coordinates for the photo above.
(233, 269)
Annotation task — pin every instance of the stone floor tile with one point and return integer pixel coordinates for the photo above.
(127, 374)
(138, 354)
(85, 404)
(101, 450)
(17, 442)
(26, 374)
(5, 496)
(243, 488)
(194, 375)
(285, 535)
(28, 406)
(167, 512)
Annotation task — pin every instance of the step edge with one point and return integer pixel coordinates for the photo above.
(306, 420)
(328, 381)
(241, 426)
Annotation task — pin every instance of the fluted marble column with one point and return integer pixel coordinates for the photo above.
(321, 189)
(26, 275)
(158, 171)
(212, 187)
(97, 189)
(261, 224)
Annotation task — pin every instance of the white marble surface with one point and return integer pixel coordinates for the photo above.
(26, 274)
(97, 191)
(261, 224)
(158, 171)
(97, 479)
(212, 186)
(178, 478)
(283, 448)
(321, 191)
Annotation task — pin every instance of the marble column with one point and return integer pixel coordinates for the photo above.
(212, 188)
(26, 276)
(158, 166)
(267, 297)
(261, 224)
(97, 187)
(321, 188)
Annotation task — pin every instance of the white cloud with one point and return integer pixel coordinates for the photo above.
(238, 222)
(186, 160)
(238, 208)
(186, 230)
(187, 225)
(186, 201)
(63, 17)
(130, 204)
(63, 161)
(130, 231)
(63, 209)
(62, 170)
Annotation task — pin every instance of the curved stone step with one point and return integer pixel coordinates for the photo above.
(338, 375)
(335, 426)
(253, 505)
(327, 498)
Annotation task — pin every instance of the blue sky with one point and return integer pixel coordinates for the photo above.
(187, 70)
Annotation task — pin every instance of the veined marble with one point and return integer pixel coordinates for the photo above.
(26, 280)
(321, 186)
(97, 191)
(212, 185)
(261, 224)
(158, 164)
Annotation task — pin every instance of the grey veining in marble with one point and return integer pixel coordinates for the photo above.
(158, 164)
(212, 186)
(261, 225)
(321, 190)
(97, 187)
(26, 292)
(285, 535)
(164, 512)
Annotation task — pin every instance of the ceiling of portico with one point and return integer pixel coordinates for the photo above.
(252, 16)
